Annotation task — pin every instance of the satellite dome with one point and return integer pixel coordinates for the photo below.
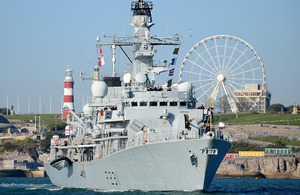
(185, 86)
(127, 78)
(99, 89)
(88, 110)
(140, 77)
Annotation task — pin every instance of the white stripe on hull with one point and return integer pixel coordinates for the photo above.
(164, 166)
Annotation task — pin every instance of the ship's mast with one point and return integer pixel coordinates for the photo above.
(142, 48)
(142, 42)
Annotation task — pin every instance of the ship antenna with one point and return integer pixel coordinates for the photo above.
(210, 114)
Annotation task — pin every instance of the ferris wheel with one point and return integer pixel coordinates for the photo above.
(225, 71)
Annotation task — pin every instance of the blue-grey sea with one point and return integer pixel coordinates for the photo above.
(21, 185)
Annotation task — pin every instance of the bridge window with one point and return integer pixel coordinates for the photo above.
(153, 103)
(182, 103)
(133, 104)
(173, 103)
(143, 103)
(162, 103)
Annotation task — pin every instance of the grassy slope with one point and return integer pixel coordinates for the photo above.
(271, 119)
(45, 118)
(277, 139)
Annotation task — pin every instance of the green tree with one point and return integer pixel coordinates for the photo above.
(57, 126)
(276, 108)
(222, 104)
(3, 111)
(44, 145)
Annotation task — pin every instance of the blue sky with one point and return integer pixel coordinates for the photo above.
(39, 38)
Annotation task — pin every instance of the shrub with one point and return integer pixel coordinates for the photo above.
(8, 146)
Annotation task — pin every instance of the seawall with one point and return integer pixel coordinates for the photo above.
(22, 173)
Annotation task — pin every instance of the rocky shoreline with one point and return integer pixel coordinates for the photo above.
(280, 167)
(251, 174)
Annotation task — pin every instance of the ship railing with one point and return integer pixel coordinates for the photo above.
(106, 142)
(164, 136)
(107, 148)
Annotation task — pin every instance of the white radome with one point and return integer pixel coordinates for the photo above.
(99, 89)
(88, 110)
(185, 86)
(127, 78)
(140, 77)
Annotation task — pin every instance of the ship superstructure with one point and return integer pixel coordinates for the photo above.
(136, 135)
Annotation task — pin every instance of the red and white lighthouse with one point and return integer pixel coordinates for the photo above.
(68, 93)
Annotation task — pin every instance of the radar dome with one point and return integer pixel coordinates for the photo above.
(99, 89)
(185, 86)
(140, 77)
(88, 110)
(127, 78)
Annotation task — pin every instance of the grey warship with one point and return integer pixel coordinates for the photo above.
(134, 134)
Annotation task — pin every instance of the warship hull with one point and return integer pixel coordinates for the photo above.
(161, 166)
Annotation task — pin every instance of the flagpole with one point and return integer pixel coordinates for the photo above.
(7, 105)
(28, 104)
(18, 103)
(50, 104)
(40, 102)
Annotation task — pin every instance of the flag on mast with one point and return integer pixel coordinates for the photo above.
(176, 50)
(171, 72)
(101, 58)
(101, 52)
(68, 130)
(173, 61)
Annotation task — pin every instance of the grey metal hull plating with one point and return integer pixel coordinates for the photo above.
(164, 166)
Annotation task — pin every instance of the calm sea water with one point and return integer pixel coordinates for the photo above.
(219, 186)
